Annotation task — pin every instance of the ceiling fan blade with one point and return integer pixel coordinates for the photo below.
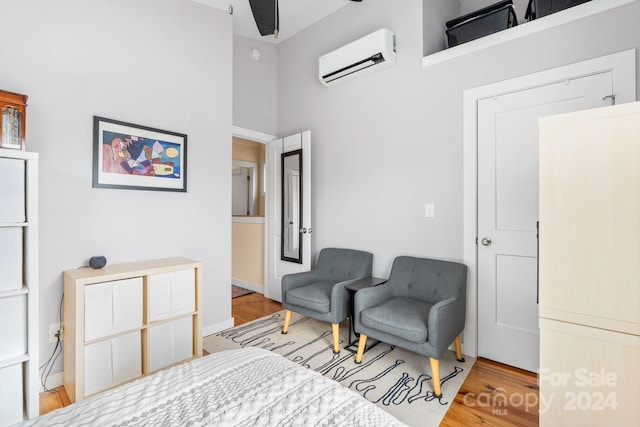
(266, 13)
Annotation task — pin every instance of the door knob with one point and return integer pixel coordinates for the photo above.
(486, 241)
(303, 230)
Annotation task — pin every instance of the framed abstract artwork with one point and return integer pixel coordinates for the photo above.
(137, 157)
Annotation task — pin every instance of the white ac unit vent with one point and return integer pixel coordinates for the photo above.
(372, 52)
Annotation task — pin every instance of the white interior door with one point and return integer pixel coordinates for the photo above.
(508, 211)
(298, 179)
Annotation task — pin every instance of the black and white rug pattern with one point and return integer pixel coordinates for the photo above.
(395, 379)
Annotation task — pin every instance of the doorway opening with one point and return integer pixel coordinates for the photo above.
(248, 215)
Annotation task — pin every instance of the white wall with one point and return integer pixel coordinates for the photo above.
(161, 63)
(434, 18)
(386, 144)
(255, 88)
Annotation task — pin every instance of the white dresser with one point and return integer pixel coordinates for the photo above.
(126, 321)
(19, 385)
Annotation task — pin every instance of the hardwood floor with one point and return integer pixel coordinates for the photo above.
(492, 395)
(495, 395)
(253, 306)
(54, 399)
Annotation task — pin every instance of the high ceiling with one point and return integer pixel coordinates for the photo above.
(295, 15)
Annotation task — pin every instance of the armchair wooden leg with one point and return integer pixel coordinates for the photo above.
(435, 373)
(335, 331)
(459, 349)
(361, 345)
(287, 319)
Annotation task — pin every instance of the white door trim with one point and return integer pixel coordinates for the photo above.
(622, 64)
(252, 135)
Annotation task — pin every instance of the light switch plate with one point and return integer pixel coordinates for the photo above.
(429, 210)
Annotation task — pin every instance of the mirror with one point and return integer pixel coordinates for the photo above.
(244, 188)
(291, 179)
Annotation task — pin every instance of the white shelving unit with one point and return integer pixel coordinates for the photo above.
(18, 286)
(524, 29)
(126, 321)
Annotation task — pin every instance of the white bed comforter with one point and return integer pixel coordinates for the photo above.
(248, 387)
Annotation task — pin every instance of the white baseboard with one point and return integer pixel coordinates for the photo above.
(256, 288)
(53, 381)
(217, 327)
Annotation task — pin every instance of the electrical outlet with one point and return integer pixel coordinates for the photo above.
(54, 329)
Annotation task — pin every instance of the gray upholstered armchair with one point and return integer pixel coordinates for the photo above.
(320, 293)
(421, 308)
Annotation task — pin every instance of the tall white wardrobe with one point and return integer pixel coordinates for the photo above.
(590, 267)
(19, 384)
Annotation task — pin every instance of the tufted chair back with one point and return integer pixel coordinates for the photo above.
(338, 264)
(426, 280)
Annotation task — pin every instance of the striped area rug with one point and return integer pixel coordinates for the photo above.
(396, 380)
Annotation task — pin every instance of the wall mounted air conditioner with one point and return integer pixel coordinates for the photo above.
(372, 52)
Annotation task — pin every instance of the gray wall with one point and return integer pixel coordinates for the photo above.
(255, 88)
(164, 64)
(435, 13)
(387, 143)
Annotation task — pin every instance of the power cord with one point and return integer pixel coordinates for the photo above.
(48, 365)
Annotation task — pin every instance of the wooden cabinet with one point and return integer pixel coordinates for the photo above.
(18, 286)
(589, 269)
(128, 320)
(589, 376)
(13, 115)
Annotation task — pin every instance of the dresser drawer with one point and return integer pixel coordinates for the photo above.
(13, 326)
(112, 362)
(12, 406)
(112, 307)
(170, 343)
(171, 294)
(10, 258)
(12, 190)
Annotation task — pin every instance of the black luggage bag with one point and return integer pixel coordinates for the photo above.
(482, 22)
(540, 8)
